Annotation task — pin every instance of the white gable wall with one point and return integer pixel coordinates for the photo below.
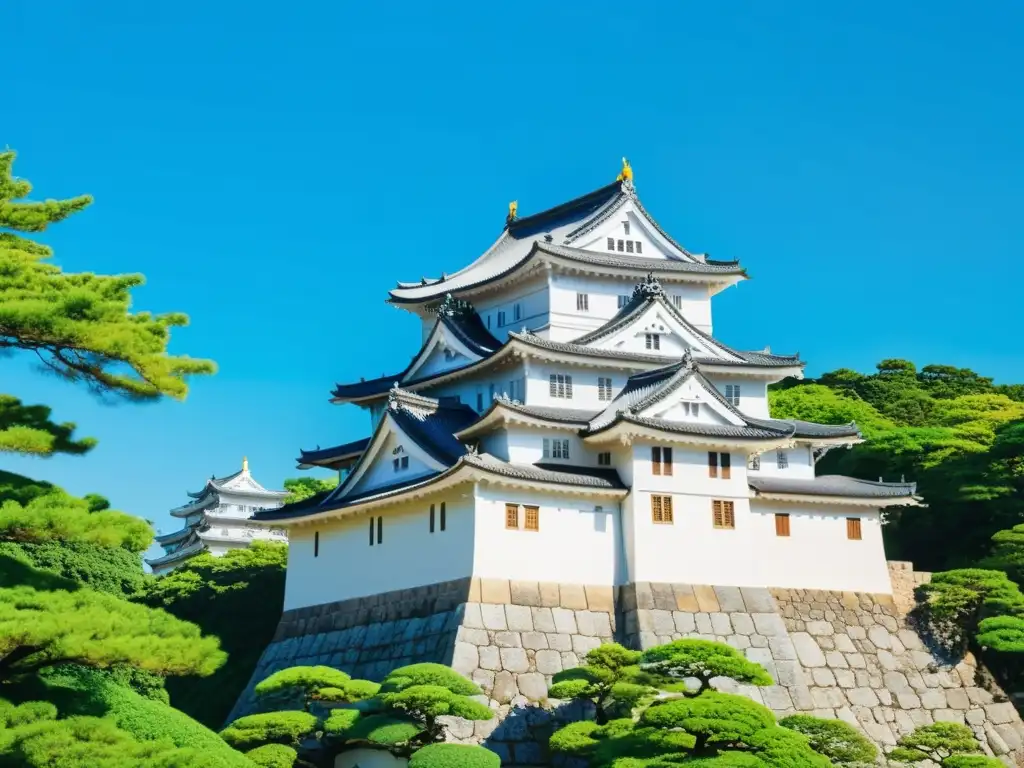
(533, 301)
(799, 463)
(408, 555)
(652, 245)
(584, 386)
(381, 471)
(753, 393)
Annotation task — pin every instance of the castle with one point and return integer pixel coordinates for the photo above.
(570, 418)
(573, 458)
(216, 520)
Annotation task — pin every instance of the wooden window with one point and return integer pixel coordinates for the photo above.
(666, 461)
(611, 243)
(629, 246)
(723, 514)
(625, 227)
(583, 302)
(712, 464)
(639, 247)
(656, 460)
(444, 516)
(652, 340)
(622, 246)
(380, 528)
(531, 519)
(316, 544)
(604, 459)
(512, 516)
(782, 525)
(371, 531)
(431, 518)
(726, 462)
(661, 509)
(853, 528)
(781, 459)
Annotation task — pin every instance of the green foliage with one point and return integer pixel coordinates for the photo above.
(1007, 553)
(310, 684)
(703, 660)
(936, 742)
(302, 488)
(237, 598)
(269, 728)
(381, 729)
(437, 675)
(41, 629)
(454, 756)
(58, 516)
(433, 701)
(28, 429)
(972, 761)
(21, 489)
(824, 405)
(839, 741)
(113, 570)
(340, 722)
(956, 603)
(712, 717)
(272, 756)
(79, 325)
(610, 678)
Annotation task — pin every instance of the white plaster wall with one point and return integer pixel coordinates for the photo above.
(567, 323)
(509, 380)
(575, 543)
(526, 446)
(690, 550)
(382, 471)
(584, 386)
(652, 245)
(753, 393)
(533, 300)
(800, 464)
(441, 360)
(408, 555)
(243, 505)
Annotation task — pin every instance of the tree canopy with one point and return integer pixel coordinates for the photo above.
(302, 488)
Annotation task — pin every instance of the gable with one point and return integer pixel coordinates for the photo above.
(377, 468)
(674, 337)
(441, 352)
(692, 402)
(635, 232)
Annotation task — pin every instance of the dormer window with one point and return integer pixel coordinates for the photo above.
(611, 243)
(556, 448)
(625, 227)
(691, 409)
(400, 460)
(622, 245)
(652, 341)
(629, 246)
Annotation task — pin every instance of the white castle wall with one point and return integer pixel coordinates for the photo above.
(753, 394)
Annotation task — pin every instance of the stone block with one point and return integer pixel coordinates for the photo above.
(572, 596)
(742, 624)
(508, 640)
(643, 595)
(504, 689)
(998, 714)
(485, 679)
(465, 659)
(495, 591)
(686, 600)
(956, 698)
(581, 644)
(757, 600)
(565, 620)
(720, 623)
(548, 594)
(558, 641)
(585, 623)
(474, 636)
(862, 697)
(525, 593)
(549, 662)
(533, 686)
(543, 621)
(473, 596)
(836, 660)
(707, 600)
(664, 597)
(490, 658)
(493, 616)
(769, 624)
(570, 660)
(600, 599)
(820, 628)
(704, 623)
(661, 622)
(729, 599)
(948, 716)
(823, 677)
(534, 641)
(782, 647)
(519, 618)
(684, 622)
(777, 697)
(807, 650)
(514, 660)
(603, 625)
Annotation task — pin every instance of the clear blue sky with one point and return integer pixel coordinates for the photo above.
(273, 168)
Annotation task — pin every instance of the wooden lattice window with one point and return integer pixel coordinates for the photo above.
(512, 516)
(853, 528)
(782, 525)
(531, 521)
(661, 509)
(723, 514)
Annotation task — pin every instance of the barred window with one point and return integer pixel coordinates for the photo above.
(782, 459)
(661, 509)
(583, 302)
(639, 247)
(560, 385)
(723, 514)
(629, 246)
(755, 462)
(611, 243)
(661, 460)
(732, 394)
(604, 459)
(531, 521)
(512, 516)
(622, 245)
(604, 388)
(652, 340)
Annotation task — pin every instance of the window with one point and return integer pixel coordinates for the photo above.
(517, 311)
(531, 521)
(723, 514)
(444, 517)
(625, 227)
(479, 400)
(653, 340)
(555, 448)
(782, 459)
(512, 516)
(380, 528)
(782, 525)
(639, 247)
(661, 509)
(853, 528)
(755, 463)
(725, 460)
(623, 301)
(604, 459)
(677, 301)
(621, 245)
(604, 388)
(691, 409)
(371, 531)
(732, 394)
(316, 544)
(501, 318)
(629, 246)
(661, 460)
(560, 385)
(611, 243)
(431, 518)
(712, 464)
(488, 322)
(583, 302)
(400, 463)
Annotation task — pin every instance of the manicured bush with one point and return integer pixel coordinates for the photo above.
(383, 729)
(454, 756)
(269, 727)
(839, 741)
(428, 674)
(272, 756)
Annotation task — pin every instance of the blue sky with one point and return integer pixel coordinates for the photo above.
(273, 169)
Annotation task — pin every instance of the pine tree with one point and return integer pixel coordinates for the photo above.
(78, 326)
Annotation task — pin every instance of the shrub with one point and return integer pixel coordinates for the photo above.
(272, 756)
(269, 728)
(840, 742)
(454, 756)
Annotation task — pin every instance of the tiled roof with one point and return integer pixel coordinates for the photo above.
(434, 432)
(832, 485)
(808, 429)
(336, 452)
(559, 474)
(547, 413)
(640, 263)
(470, 330)
(744, 432)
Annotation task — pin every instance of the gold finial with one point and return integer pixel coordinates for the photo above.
(245, 463)
(512, 208)
(626, 174)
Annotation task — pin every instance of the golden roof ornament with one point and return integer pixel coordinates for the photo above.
(512, 208)
(245, 463)
(626, 174)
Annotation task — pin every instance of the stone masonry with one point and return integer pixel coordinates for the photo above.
(832, 654)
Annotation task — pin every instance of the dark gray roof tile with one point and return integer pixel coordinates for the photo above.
(832, 485)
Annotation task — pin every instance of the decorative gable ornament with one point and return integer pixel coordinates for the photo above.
(452, 307)
(650, 288)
